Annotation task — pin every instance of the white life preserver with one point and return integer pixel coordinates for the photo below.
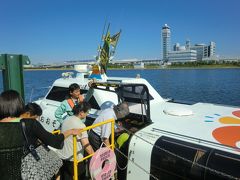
(102, 164)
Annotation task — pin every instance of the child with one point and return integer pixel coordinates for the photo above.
(32, 111)
(80, 112)
(67, 105)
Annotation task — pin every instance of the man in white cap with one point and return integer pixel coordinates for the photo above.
(101, 134)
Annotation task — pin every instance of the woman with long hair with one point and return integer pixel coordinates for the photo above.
(11, 137)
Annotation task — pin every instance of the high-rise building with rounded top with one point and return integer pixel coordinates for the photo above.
(166, 40)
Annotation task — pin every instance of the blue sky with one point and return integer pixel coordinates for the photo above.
(58, 30)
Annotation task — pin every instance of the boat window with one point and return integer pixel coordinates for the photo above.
(176, 161)
(61, 93)
(134, 93)
(226, 163)
(57, 94)
(92, 100)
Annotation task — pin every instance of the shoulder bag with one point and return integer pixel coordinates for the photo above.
(39, 162)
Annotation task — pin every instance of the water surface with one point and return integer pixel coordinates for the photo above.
(221, 86)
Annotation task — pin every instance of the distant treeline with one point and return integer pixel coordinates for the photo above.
(197, 64)
(206, 63)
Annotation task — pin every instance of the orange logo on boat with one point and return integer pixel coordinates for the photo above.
(229, 135)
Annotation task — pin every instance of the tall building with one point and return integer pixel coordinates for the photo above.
(188, 44)
(212, 49)
(197, 52)
(205, 51)
(201, 50)
(176, 47)
(166, 40)
(182, 53)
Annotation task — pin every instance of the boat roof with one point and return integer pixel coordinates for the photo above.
(207, 123)
(65, 82)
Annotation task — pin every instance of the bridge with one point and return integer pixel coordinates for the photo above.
(92, 61)
(119, 61)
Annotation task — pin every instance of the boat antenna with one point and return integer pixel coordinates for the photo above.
(102, 39)
(100, 43)
(103, 32)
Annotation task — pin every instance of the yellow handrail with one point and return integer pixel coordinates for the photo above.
(56, 132)
(75, 160)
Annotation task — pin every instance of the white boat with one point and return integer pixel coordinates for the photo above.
(167, 139)
(170, 140)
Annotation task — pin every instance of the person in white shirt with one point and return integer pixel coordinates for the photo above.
(80, 112)
(101, 134)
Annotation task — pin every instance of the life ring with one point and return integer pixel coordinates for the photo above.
(102, 164)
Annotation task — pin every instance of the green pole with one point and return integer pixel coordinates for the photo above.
(12, 72)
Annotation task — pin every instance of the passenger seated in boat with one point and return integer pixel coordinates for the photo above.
(102, 133)
(80, 112)
(12, 140)
(32, 111)
(65, 109)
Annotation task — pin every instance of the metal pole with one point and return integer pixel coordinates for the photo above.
(112, 136)
(12, 71)
(75, 161)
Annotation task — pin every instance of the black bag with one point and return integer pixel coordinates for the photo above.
(40, 162)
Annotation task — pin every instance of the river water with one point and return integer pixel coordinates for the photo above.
(220, 86)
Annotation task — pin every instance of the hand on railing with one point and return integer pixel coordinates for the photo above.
(72, 132)
(76, 131)
(91, 82)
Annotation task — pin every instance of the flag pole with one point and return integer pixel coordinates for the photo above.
(101, 39)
